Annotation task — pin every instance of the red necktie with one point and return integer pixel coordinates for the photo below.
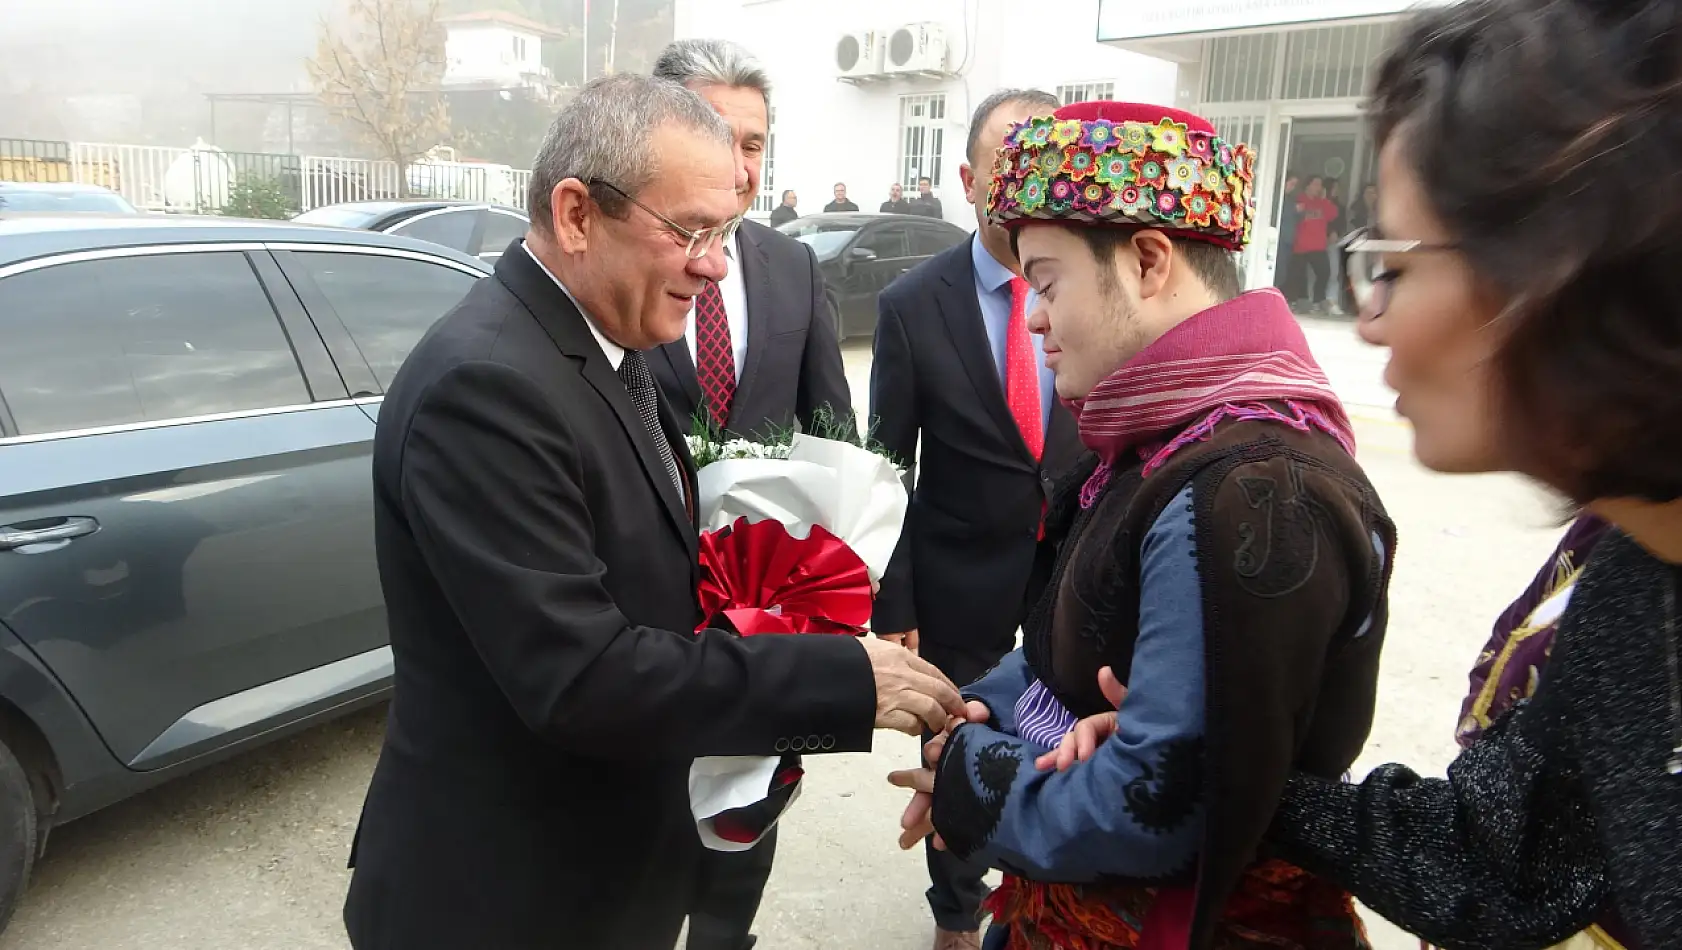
(1022, 372)
(1022, 379)
(715, 355)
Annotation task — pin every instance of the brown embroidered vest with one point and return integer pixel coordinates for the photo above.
(1294, 551)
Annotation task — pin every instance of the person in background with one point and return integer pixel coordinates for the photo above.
(1334, 251)
(840, 203)
(1364, 213)
(728, 369)
(926, 204)
(784, 213)
(1316, 215)
(1285, 276)
(1527, 280)
(896, 203)
(955, 365)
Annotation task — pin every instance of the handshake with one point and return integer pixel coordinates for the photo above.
(1077, 745)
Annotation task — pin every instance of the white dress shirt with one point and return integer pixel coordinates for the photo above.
(614, 352)
(735, 293)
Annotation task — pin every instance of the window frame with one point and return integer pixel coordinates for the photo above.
(489, 255)
(475, 235)
(1090, 90)
(308, 349)
(359, 377)
(878, 227)
(931, 152)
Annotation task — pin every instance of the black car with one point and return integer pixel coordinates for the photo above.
(482, 230)
(187, 411)
(860, 253)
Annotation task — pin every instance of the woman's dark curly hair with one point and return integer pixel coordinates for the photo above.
(1547, 136)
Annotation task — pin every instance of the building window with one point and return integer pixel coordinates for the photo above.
(1085, 92)
(520, 49)
(922, 138)
(768, 198)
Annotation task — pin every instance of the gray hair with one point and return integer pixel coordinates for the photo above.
(713, 63)
(602, 136)
(1037, 98)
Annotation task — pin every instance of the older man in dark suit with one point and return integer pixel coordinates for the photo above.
(950, 336)
(535, 528)
(761, 350)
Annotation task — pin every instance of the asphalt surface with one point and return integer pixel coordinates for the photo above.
(250, 854)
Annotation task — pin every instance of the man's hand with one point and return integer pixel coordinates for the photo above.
(1084, 739)
(911, 695)
(908, 639)
(918, 821)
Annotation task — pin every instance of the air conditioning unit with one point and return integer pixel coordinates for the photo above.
(916, 48)
(859, 54)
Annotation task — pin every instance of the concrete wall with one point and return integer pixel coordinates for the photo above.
(828, 131)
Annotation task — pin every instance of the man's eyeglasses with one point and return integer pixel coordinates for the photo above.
(701, 240)
(1363, 264)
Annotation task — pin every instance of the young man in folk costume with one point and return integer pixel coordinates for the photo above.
(1219, 558)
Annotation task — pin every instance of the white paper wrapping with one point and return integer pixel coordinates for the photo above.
(853, 494)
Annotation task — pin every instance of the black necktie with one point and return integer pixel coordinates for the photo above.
(639, 382)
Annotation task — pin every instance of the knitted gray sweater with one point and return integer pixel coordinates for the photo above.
(1567, 807)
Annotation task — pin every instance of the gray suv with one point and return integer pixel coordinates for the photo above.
(187, 566)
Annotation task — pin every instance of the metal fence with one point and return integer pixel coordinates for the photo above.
(205, 180)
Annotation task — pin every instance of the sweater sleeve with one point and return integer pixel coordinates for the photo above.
(1503, 852)
(1135, 809)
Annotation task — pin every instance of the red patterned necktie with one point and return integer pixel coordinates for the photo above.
(1022, 372)
(715, 355)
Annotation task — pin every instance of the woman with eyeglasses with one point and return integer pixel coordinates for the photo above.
(1525, 272)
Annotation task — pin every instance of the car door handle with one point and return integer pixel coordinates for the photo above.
(65, 530)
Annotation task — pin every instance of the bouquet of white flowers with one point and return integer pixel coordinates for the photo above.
(796, 533)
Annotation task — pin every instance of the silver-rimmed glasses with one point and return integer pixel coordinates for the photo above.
(1363, 263)
(701, 240)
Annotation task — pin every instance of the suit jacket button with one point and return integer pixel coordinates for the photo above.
(798, 744)
(828, 743)
(781, 746)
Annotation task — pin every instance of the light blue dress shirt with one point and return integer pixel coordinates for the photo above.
(992, 290)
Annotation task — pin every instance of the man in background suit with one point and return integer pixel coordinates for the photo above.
(534, 517)
(761, 350)
(955, 363)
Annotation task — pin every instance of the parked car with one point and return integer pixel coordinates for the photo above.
(860, 253)
(62, 197)
(187, 411)
(483, 230)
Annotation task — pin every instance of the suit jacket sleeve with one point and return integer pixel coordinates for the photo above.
(823, 388)
(492, 486)
(895, 424)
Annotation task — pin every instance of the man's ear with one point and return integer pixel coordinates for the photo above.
(1156, 261)
(573, 216)
(966, 177)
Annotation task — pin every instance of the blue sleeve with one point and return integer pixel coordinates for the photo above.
(1000, 688)
(1135, 809)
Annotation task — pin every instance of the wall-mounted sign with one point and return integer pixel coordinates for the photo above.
(1133, 19)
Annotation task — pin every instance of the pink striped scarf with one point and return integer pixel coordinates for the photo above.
(1243, 359)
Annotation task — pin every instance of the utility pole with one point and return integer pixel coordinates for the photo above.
(584, 58)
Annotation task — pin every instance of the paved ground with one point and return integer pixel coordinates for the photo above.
(251, 854)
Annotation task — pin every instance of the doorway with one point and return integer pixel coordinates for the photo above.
(1322, 169)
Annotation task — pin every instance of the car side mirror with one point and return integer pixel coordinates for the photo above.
(861, 254)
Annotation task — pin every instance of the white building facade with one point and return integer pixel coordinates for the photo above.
(1286, 76)
(494, 50)
(872, 92)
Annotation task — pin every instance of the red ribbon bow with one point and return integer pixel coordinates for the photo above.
(764, 580)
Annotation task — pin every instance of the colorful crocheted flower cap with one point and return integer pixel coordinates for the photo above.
(1125, 164)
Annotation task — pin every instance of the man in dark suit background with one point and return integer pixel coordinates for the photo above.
(761, 346)
(760, 352)
(945, 337)
(535, 529)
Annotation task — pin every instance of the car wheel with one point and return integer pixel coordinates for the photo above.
(18, 833)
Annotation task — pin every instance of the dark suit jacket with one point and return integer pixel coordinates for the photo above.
(539, 572)
(963, 562)
(793, 363)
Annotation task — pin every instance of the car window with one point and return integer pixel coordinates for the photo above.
(138, 339)
(452, 229)
(927, 240)
(387, 303)
(887, 240)
(827, 244)
(501, 229)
